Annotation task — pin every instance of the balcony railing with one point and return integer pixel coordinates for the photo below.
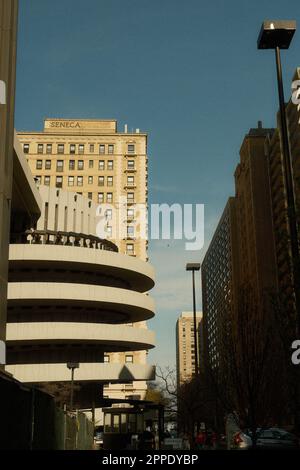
(51, 237)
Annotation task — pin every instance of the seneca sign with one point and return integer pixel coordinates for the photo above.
(65, 124)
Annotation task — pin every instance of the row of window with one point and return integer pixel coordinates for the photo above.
(80, 165)
(109, 198)
(128, 358)
(130, 214)
(130, 234)
(102, 165)
(79, 179)
(77, 148)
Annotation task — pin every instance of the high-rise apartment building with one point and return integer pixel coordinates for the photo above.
(260, 231)
(279, 201)
(220, 271)
(94, 160)
(241, 255)
(185, 345)
(257, 267)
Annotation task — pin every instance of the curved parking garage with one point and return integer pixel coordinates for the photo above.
(69, 298)
(63, 263)
(42, 301)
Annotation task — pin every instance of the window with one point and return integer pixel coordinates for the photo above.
(90, 195)
(131, 148)
(91, 163)
(39, 164)
(100, 197)
(92, 148)
(101, 165)
(130, 164)
(108, 214)
(48, 165)
(71, 181)
(47, 180)
(59, 181)
(90, 180)
(130, 231)
(130, 214)
(40, 148)
(72, 148)
(130, 197)
(49, 149)
(38, 179)
(79, 180)
(110, 165)
(116, 423)
(130, 248)
(130, 180)
(101, 149)
(100, 180)
(60, 165)
(26, 148)
(109, 197)
(106, 358)
(81, 149)
(110, 181)
(71, 164)
(110, 149)
(80, 165)
(109, 231)
(60, 149)
(129, 359)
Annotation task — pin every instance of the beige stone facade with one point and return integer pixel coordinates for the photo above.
(91, 158)
(185, 345)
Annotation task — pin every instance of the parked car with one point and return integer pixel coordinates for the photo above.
(272, 438)
(241, 441)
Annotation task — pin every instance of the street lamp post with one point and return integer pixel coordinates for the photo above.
(194, 267)
(278, 35)
(72, 366)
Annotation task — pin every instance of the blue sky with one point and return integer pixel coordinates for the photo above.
(188, 73)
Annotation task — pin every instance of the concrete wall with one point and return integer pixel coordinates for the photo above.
(67, 211)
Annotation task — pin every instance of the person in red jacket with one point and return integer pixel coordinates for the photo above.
(201, 440)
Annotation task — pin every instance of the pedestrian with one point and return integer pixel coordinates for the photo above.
(208, 439)
(201, 440)
(214, 440)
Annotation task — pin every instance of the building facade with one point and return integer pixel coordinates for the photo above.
(93, 159)
(110, 169)
(185, 345)
(8, 47)
(279, 201)
(220, 271)
(250, 250)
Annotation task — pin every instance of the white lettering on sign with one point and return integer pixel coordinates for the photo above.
(65, 124)
(296, 92)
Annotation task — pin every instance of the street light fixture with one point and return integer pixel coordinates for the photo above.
(278, 35)
(72, 366)
(194, 267)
